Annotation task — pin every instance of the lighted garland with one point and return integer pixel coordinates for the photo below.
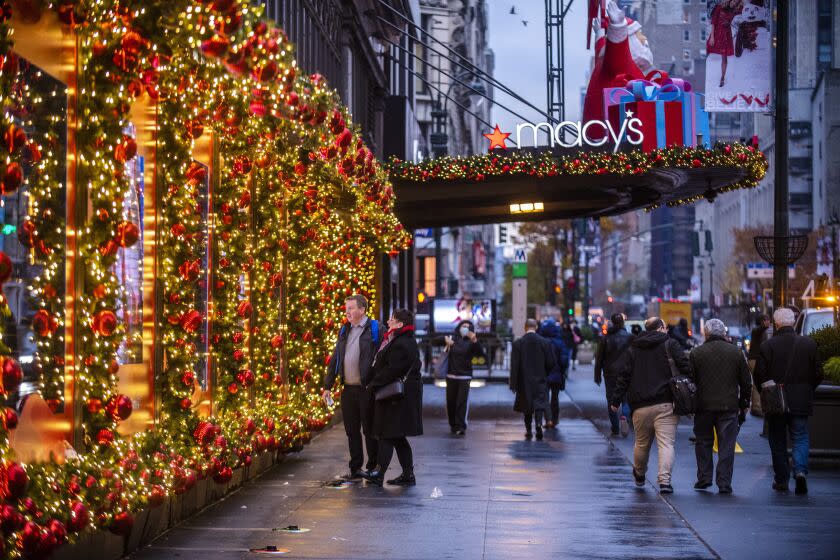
(134, 48)
(546, 164)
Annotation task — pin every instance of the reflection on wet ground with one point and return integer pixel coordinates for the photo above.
(488, 495)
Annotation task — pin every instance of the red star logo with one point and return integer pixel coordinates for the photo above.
(497, 138)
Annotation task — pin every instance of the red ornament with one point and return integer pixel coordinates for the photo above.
(122, 524)
(696, 163)
(79, 517)
(58, 530)
(12, 374)
(193, 129)
(244, 308)
(10, 419)
(266, 72)
(104, 323)
(185, 403)
(238, 337)
(156, 496)
(14, 138)
(191, 320)
(126, 149)
(105, 437)
(109, 248)
(10, 519)
(16, 481)
(119, 407)
(233, 388)
(277, 341)
(190, 270)
(216, 46)
(127, 234)
(44, 323)
(224, 475)
(94, 406)
(99, 291)
(12, 177)
(5, 267)
(188, 378)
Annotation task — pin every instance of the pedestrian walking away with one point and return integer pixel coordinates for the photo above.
(577, 338)
(759, 334)
(531, 360)
(400, 417)
(789, 361)
(351, 362)
(462, 346)
(645, 381)
(609, 361)
(724, 389)
(551, 331)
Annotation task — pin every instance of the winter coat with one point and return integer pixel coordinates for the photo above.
(611, 354)
(645, 377)
(532, 358)
(552, 332)
(461, 354)
(722, 376)
(757, 338)
(401, 417)
(774, 358)
(367, 350)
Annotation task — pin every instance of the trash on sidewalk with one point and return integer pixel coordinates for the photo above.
(338, 484)
(270, 549)
(336, 538)
(291, 529)
(437, 492)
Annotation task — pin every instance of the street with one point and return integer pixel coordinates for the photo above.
(500, 496)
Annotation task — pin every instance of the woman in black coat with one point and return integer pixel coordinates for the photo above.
(395, 420)
(462, 347)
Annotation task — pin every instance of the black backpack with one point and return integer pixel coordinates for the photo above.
(683, 389)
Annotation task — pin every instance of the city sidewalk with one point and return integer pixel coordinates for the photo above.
(493, 495)
(753, 522)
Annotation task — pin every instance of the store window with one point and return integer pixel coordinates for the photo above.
(33, 236)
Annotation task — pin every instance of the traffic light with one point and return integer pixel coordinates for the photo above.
(503, 236)
(421, 297)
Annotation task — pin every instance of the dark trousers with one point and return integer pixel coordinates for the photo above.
(357, 408)
(778, 426)
(705, 426)
(457, 402)
(538, 416)
(404, 454)
(554, 401)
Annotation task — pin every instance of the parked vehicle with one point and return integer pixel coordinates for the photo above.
(810, 320)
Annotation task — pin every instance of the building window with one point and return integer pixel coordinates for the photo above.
(824, 33)
(703, 34)
(426, 279)
(703, 16)
(686, 35)
(686, 17)
(686, 54)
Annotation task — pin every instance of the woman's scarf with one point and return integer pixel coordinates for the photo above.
(392, 334)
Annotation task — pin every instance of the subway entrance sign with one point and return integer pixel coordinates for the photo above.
(520, 263)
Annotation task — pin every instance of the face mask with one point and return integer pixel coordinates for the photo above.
(464, 331)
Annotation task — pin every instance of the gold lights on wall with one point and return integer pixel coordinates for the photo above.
(527, 207)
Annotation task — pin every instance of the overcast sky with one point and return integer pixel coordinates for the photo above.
(520, 57)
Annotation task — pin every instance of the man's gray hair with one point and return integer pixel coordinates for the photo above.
(714, 327)
(530, 324)
(784, 317)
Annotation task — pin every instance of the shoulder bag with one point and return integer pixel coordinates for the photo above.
(683, 389)
(773, 400)
(393, 390)
(441, 367)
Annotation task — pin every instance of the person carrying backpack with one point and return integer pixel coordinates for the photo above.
(645, 379)
(351, 361)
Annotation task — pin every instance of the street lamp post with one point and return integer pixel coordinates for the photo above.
(780, 199)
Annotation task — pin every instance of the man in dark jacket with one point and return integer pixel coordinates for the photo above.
(531, 360)
(351, 361)
(645, 381)
(551, 331)
(723, 383)
(790, 360)
(759, 334)
(609, 360)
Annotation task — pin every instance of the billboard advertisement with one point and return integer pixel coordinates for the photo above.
(738, 48)
(447, 313)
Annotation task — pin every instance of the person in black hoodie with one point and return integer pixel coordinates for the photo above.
(792, 361)
(609, 361)
(462, 346)
(645, 381)
(394, 420)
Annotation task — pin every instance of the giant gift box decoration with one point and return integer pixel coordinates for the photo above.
(671, 113)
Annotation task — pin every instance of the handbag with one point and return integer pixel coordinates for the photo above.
(391, 391)
(683, 389)
(441, 367)
(773, 400)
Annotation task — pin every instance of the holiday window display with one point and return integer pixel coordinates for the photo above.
(247, 308)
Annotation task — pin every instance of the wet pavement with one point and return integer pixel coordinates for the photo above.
(491, 494)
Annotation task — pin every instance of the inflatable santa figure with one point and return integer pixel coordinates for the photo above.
(622, 54)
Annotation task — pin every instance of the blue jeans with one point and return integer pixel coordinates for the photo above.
(609, 387)
(778, 427)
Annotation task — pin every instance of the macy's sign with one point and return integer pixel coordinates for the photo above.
(569, 134)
